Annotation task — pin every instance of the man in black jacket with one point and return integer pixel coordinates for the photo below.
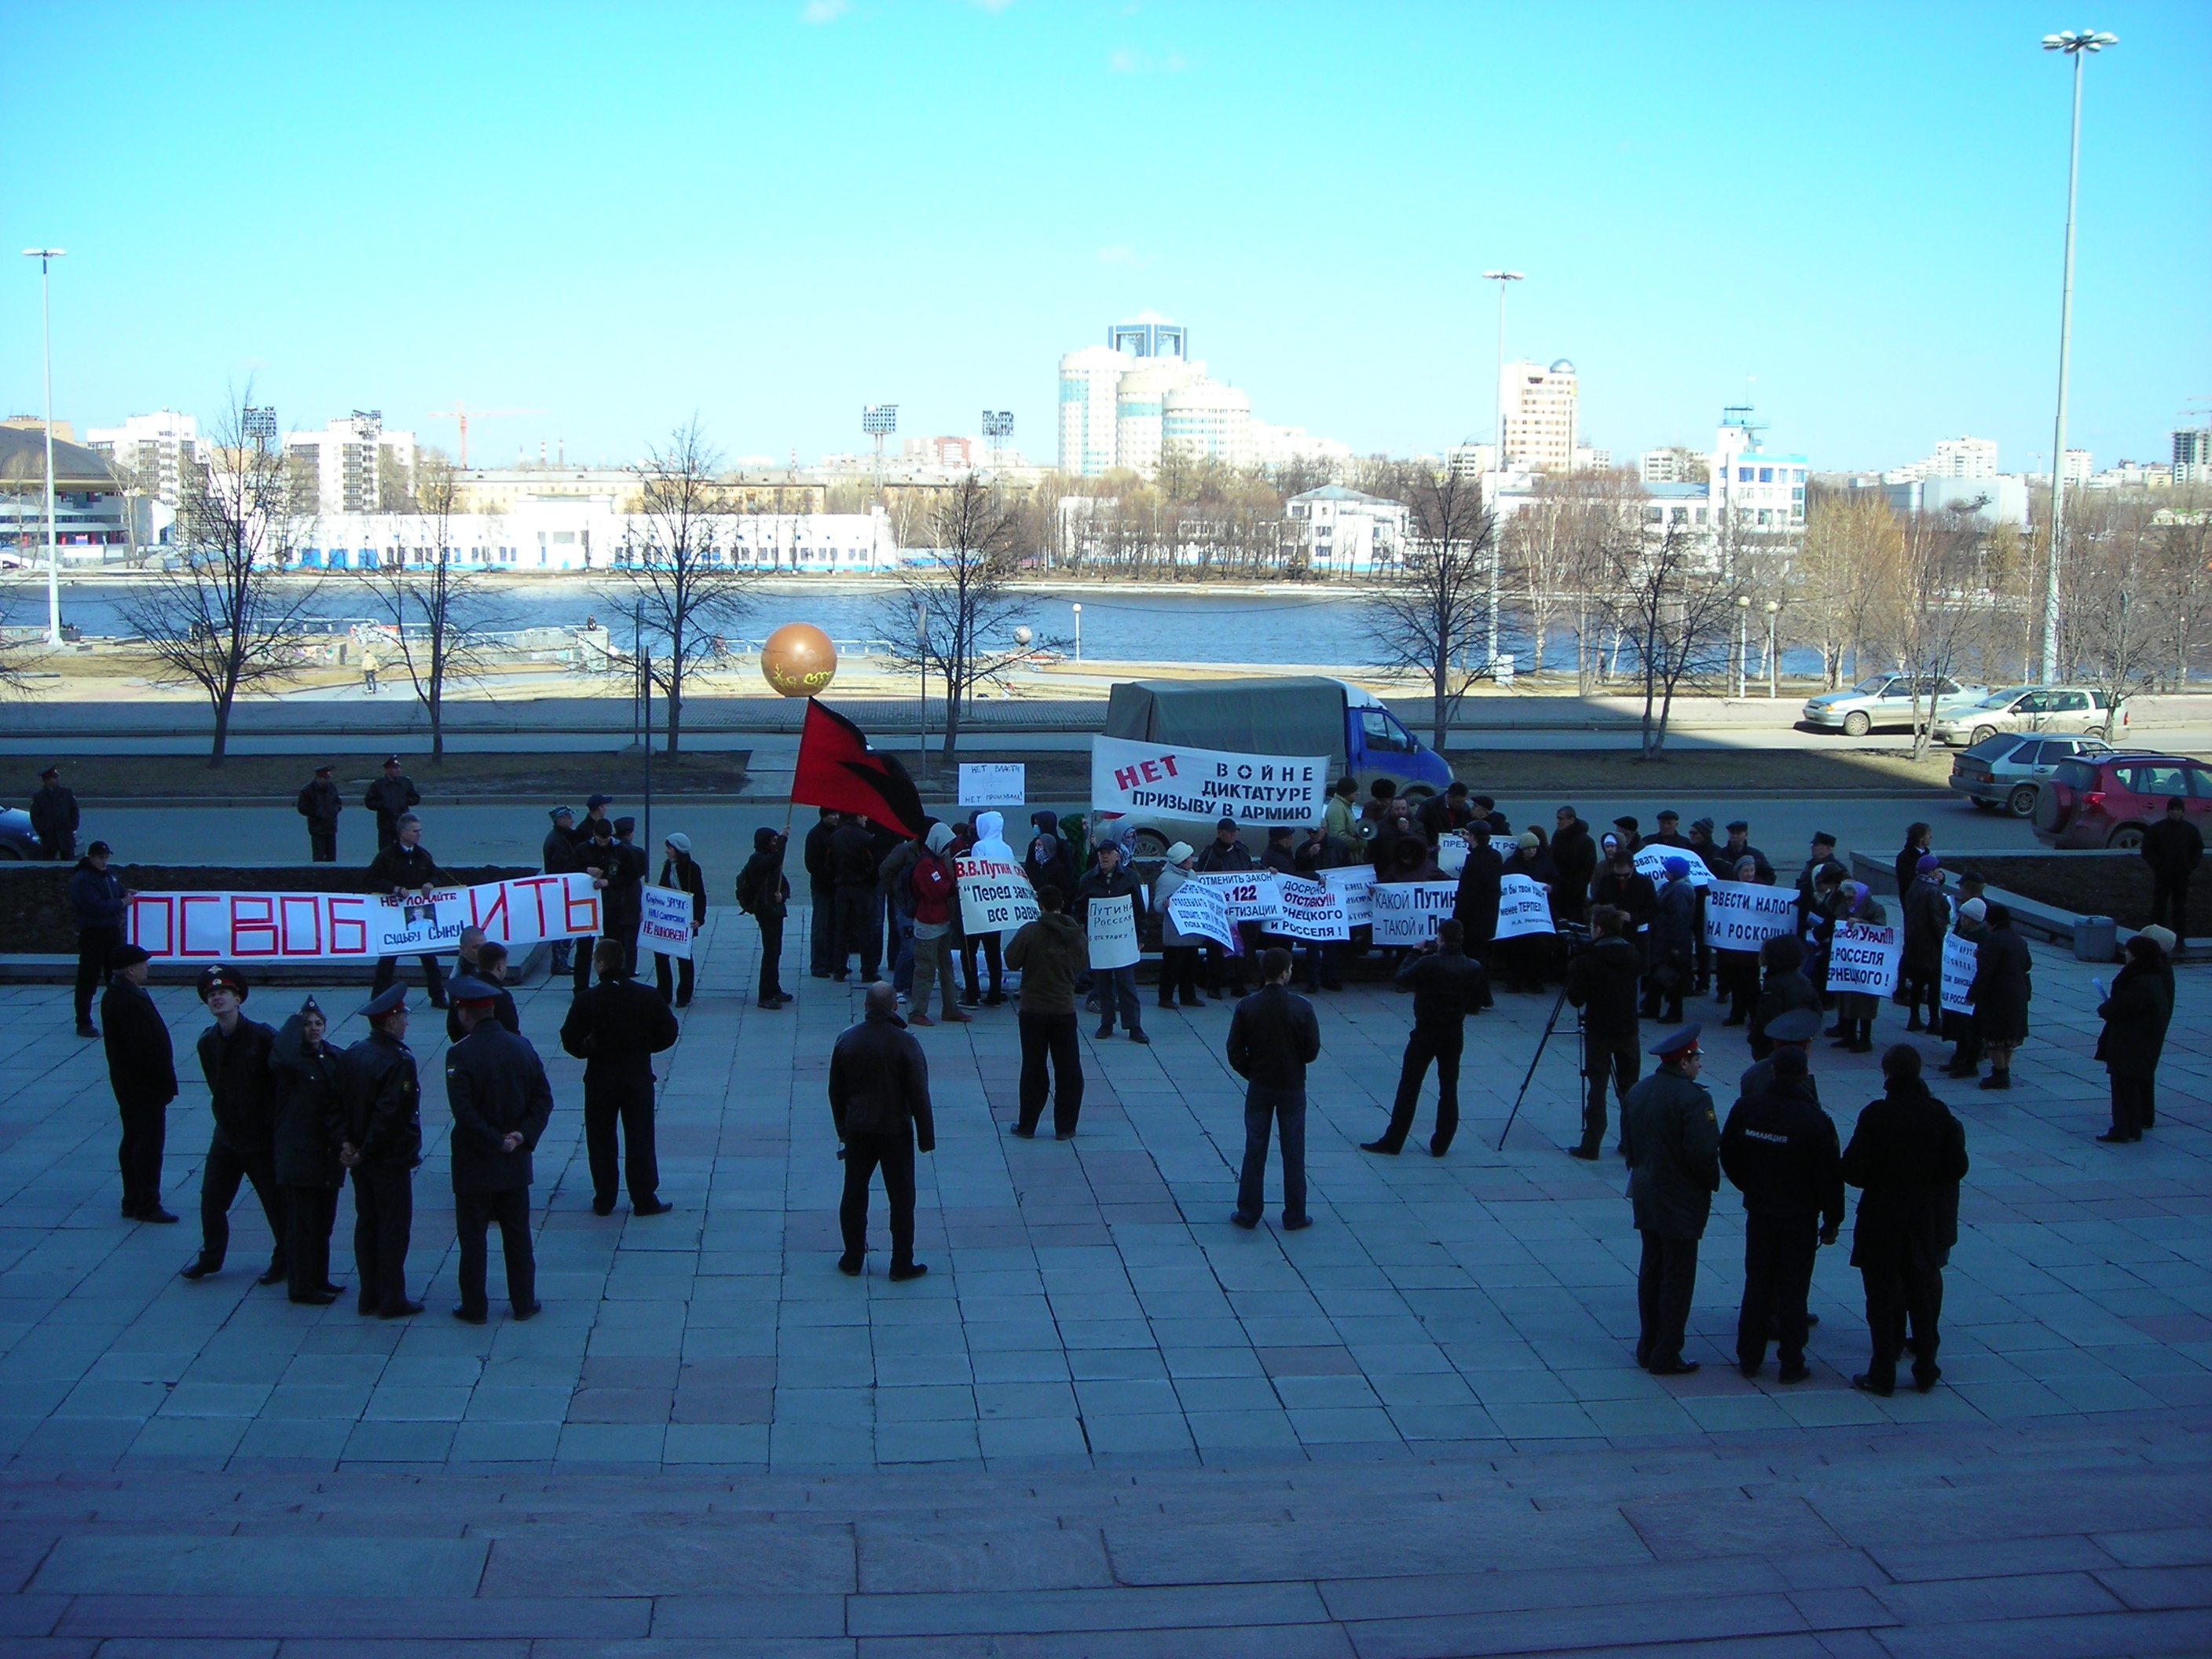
(142, 1069)
(310, 1079)
(1447, 811)
(496, 1088)
(1780, 1149)
(484, 960)
(820, 892)
(97, 898)
(379, 1127)
(391, 796)
(626, 895)
(2173, 847)
(1671, 1138)
(1107, 879)
(1447, 985)
(1273, 1037)
(763, 894)
(403, 870)
(1226, 853)
(600, 857)
(1908, 1155)
(54, 817)
(1574, 855)
(1475, 907)
(1601, 980)
(243, 1091)
(853, 869)
(320, 804)
(557, 856)
(616, 1028)
(879, 1100)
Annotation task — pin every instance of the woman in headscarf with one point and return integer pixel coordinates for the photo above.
(1854, 1010)
(309, 1078)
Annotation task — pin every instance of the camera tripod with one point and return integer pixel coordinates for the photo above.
(1551, 1025)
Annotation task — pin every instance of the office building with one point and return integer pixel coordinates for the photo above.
(156, 453)
(1673, 465)
(1539, 407)
(1758, 490)
(1140, 408)
(553, 533)
(2192, 457)
(1203, 420)
(93, 520)
(1090, 381)
(355, 464)
(1954, 457)
(1150, 335)
(1347, 530)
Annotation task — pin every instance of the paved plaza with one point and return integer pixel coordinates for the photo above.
(1108, 1422)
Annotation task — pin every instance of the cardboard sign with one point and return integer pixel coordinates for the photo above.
(1113, 930)
(1451, 852)
(1250, 895)
(1505, 846)
(232, 927)
(1652, 862)
(1311, 910)
(996, 896)
(1742, 915)
(1962, 959)
(1169, 780)
(664, 925)
(1355, 886)
(1198, 912)
(993, 783)
(1864, 958)
(1409, 912)
(1522, 907)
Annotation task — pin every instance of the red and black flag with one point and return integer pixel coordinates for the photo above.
(837, 769)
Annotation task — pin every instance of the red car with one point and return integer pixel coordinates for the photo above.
(2109, 800)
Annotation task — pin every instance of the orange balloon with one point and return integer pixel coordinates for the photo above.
(799, 660)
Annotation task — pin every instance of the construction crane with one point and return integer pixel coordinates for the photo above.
(458, 413)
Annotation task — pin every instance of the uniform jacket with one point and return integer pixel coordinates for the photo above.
(142, 1067)
(241, 1088)
(1907, 1156)
(2172, 849)
(688, 877)
(319, 802)
(1475, 907)
(390, 797)
(1672, 1141)
(617, 1027)
(618, 899)
(1098, 884)
(558, 854)
(495, 1084)
(2136, 1017)
(406, 868)
(380, 1111)
(1273, 1037)
(1602, 981)
(1050, 952)
(1780, 1151)
(2000, 989)
(54, 818)
(1446, 987)
(1758, 1076)
(502, 1008)
(879, 1082)
(96, 897)
(309, 1088)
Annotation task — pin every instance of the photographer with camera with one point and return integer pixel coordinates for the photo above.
(1602, 979)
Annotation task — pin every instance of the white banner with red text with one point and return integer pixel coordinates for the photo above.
(1174, 781)
(233, 927)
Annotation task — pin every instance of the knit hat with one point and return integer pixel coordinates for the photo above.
(2162, 937)
(1527, 841)
(1676, 868)
(681, 842)
(1928, 864)
(1180, 851)
(1973, 909)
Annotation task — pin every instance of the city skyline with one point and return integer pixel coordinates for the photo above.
(767, 256)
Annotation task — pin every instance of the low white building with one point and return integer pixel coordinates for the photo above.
(581, 533)
(1347, 530)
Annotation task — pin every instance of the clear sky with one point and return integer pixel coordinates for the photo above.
(773, 213)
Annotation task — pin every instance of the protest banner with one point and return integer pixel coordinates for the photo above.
(1409, 912)
(1505, 846)
(996, 896)
(1198, 912)
(1112, 925)
(1452, 852)
(1171, 781)
(1311, 910)
(1961, 958)
(274, 926)
(663, 926)
(993, 783)
(1742, 915)
(1355, 884)
(1864, 958)
(1522, 907)
(1652, 862)
(1250, 895)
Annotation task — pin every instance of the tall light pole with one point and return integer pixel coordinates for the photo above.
(45, 257)
(1743, 646)
(2076, 44)
(1498, 463)
(1773, 611)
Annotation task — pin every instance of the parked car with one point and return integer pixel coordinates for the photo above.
(2081, 708)
(1888, 700)
(16, 839)
(2109, 800)
(2010, 770)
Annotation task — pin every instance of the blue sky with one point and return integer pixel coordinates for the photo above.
(773, 213)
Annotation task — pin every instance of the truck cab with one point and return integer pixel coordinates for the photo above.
(1377, 746)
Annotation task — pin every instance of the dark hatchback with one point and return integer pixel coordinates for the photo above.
(2109, 800)
(16, 841)
(2009, 771)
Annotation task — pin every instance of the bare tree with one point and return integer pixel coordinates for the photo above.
(436, 606)
(1934, 571)
(1675, 610)
(215, 616)
(2115, 632)
(673, 573)
(1430, 615)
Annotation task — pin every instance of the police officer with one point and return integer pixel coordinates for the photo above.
(406, 867)
(379, 1129)
(390, 797)
(96, 897)
(310, 1075)
(142, 1069)
(1794, 1028)
(320, 805)
(495, 1086)
(1672, 1141)
(235, 1059)
(615, 1028)
(558, 857)
(1780, 1151)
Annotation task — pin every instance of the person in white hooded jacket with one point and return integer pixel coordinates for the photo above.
(990, 844)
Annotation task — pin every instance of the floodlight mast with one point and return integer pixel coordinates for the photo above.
(997, 425)
(878, 420)
(45, 257)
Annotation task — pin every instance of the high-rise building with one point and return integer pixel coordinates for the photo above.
(1089, 382)
(2077, 466)
(1148, 334)
(1963, 458)
(1204, 420)
(1539, 407)
(2193, 456)
(156, 452)
(351, 461)
(1140, 410)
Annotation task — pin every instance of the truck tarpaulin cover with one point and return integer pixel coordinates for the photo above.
(1287, 716)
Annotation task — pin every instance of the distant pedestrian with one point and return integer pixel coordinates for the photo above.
(142, 1070)
(879, 1101)
(1671, 1138)
(681, 871)
(233, 1055)
(616, 1028)
(1907, 1156)
(2000, 992)
(557, 856)
(405, 870)
(1114, 987)
(310, 1091)
(1602, 981)
(2173, 847)
(763, 894)
(2136, 1014)
(1180, 953)
(319, 802)
(1273, 1037)
(391, 796)
(369, 669)
(936, 898)
(853, 863)
(1051, 954)
(1448, 985)
(54, 817)
(496, 1090)
(379, 1128)
(97, 900)
(821, 893)
(1779, 1150)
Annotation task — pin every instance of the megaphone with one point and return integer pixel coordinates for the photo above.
(1367, 829)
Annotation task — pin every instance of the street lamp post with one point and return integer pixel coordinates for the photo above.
(1078, 633)
(1743, 646)
(2076, 44)
(45, 257)
(1498, 463)
(1773, 613)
